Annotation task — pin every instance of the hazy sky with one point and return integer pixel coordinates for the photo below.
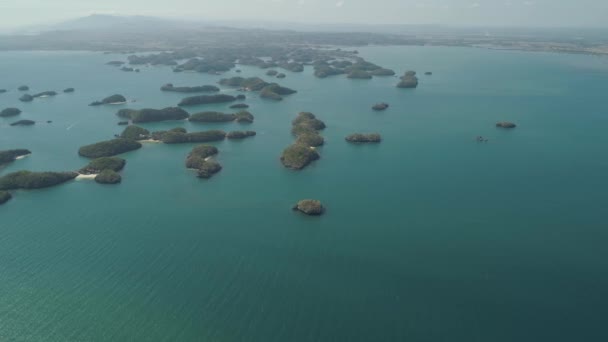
(20, 13)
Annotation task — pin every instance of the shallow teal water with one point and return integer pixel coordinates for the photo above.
(428, 236)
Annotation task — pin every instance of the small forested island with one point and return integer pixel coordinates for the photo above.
(23, 88)
(358, 68)
(271, 73)
(505, 124)
(297, 156)
(212, 117)
(243, 116)
(211, 65)
(104, 163)
(7, 112)
(5, 197)
(113, 99)
(275, 92)
(153, 115)
(241, 97)
(108, 148)
(199, 159)
(380, 106)
(281, 75)
(135, 133)
(364, 138)
(428, 73)
(2, 91)
(123, 123)
(408, 80)
(206, 99)
(309, 207)
(248, 84)
(69, 90)
(127, 69)
(9, 156)
(239, 106)
(197, 89)
(34, 180)
(108, 177)
(240, 134)
(45, 94)
(26, 98)
(23, 123)
(179, 136)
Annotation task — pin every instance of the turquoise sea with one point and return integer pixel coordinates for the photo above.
(428, 236)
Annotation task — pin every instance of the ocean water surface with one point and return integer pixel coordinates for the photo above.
(428, 236)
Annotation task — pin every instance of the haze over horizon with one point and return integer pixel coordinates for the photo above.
(528, 13)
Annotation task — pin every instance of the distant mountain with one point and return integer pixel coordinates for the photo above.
(105, 22)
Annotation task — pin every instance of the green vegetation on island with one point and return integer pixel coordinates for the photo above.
(271, 73)
(23, 88)
(199, 159)
(208, 169)
(212, 117)
(281, 75)
(240, 134)
(275, 92)
(306, 122)
(313, 139)
(108, 177)
(23, 123)
(153, 115)
(364, 138)
(177, 137)
(9, 156)
(239, 106)
(241, 116)
(408, 80)
(109, 148)
(249, 84)
(158, 135)
(45, 94)
(309, 207)
(380, 106)
(505, 124)
(114, 99)
(206, 99)
(26, 98)
(5, 196)
(297, 156)
(211, 65)
(197, 89)
(7, 112)
(69, 90)
(135, 133)
(34, 180)
(104, 163)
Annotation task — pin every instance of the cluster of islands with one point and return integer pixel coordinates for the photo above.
(105, 165)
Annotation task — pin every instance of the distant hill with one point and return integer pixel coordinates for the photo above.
(104, 22)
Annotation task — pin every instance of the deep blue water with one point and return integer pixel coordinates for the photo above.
(428, 236)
